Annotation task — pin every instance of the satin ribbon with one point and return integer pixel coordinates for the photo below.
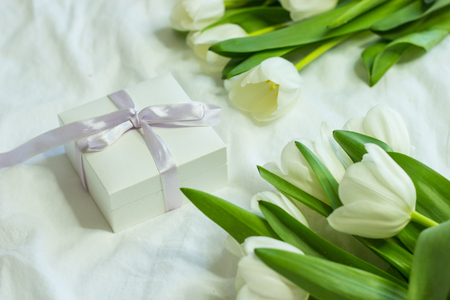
(100, 132)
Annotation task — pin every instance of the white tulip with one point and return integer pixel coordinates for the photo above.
(200, 41)
(190, 15)
(254, 279)
(378, 197)
(385, 124)
(280, 200)
(266, 91)
(302, 9)
(296, 169)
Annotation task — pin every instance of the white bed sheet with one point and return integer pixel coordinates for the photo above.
(55, 55)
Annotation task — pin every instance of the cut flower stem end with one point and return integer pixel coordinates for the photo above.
(421, 219)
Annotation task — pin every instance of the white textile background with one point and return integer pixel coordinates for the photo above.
(55, 55)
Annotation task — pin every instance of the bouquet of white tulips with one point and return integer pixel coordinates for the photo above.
(247, 39)
(365, 183)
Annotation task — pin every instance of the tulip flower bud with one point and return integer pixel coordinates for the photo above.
(190, 15)
(254, 279)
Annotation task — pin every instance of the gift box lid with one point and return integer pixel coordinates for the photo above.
(126, 169)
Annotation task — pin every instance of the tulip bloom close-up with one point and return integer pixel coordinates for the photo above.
(378, 197)
(266, 91)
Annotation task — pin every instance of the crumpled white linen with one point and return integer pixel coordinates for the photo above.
(56, 55)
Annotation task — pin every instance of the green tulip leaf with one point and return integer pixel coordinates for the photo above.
(298, 194)
(432, 189)
(246, 64)
(430, 274)
(232, 64)
(288, 229)
(327, 181)
(358, 9)
(424, 33)
(353, 143)
(295, 233)
(412, 12)
(391, 252)
(329, 280)
(309, 31)
(380, 57)
(368, 56)
(238, 222)
(254, 18)
(409, 235)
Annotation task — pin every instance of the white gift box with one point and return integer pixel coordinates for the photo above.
(123, 179)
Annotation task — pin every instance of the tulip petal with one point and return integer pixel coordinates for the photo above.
(267, 90)
(301, 10)
(387, 125)
(327, 154)
(234, 81)
(355, 124)
(298, 170)
(251, 243)
(200, 41)
(368, 219)
(381, 181)
(233, 246)
(254, 97)
(281, 201)
(216, 62)
(199, 48)
(255, 280)
(264, 283)
(283, 73)
(392, 175)
(265, 116)
(196, 14)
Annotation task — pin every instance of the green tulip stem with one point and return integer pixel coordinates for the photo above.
(421, 219)
(269, 29)
(238, 3)
(320, 50)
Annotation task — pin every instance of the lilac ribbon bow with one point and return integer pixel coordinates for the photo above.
(100, 132)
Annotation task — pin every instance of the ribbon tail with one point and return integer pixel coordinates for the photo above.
(63, 135)
(166, 166)
(81, 145)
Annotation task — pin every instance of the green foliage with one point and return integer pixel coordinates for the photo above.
(358, 9)
(328, 280)
(391, 252)
(238, 222)
(432, 189)
(298, 194)
(430, 275)
(246, 64)
(311, 30)
(379, 58)
(409, 235)
(253, 18)
(412, 12)
(353, 143)
(295, 233)
(327, 181)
